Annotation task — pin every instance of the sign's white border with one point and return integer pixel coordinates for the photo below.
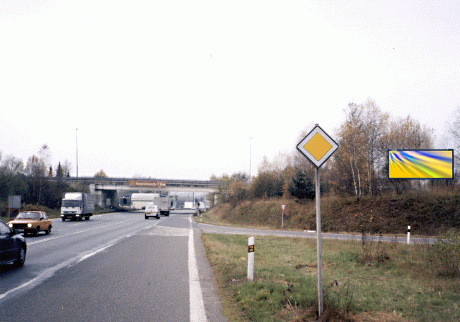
(317, 163)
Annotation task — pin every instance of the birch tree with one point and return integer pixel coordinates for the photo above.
(351, 158)
(360, 165)
(454, 134)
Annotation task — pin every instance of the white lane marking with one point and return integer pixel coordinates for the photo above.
(77, 259)
(37, 280)
(168, 232)
(98, 251)
(197, 311)
(75, 233)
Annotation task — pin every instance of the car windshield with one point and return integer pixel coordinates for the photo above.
(28, 215)
(70, 203)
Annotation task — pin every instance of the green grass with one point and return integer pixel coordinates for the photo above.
(393, 281)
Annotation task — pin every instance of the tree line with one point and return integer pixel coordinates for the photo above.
(31, 180)
(358, 168)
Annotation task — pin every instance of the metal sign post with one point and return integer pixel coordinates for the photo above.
(317, 147)
(319, 261)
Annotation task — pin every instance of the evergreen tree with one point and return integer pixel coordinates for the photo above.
(59, 171)
(301, 186)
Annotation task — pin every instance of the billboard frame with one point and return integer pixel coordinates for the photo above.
(420, 150)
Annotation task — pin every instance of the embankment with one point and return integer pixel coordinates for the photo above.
(428, 213)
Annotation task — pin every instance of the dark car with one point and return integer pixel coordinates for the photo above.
(13, 246)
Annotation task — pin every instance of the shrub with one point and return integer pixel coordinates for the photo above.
(338, 302)
(374, 251)
(444, 255)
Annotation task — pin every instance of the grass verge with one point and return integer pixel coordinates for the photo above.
(372, 282)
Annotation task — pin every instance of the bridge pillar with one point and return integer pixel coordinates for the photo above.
(99, 199)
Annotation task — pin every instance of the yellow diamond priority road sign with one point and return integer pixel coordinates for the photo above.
(317, 146)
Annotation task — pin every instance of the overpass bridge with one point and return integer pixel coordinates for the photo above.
(114, 192)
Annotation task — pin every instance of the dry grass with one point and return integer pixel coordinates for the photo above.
(401, 288)
(429, 213)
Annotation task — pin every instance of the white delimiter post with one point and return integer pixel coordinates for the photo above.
(251, 258)
(318, 244)
(408, 234)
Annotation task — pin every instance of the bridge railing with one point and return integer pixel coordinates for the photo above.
(125, 181)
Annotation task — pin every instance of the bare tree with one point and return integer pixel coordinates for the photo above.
(351, 156)
(13, 165)
(365, 138)
(454, 132)
(66, 168)
(375, 125)
(35, 171)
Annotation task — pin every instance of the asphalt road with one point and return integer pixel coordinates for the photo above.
(121, 267)
(114, 267)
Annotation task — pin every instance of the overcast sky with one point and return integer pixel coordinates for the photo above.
(176, 89)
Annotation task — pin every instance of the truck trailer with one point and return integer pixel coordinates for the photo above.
(140, 200)
(76, 205)
(162, 201)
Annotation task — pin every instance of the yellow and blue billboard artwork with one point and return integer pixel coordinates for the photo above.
(421, 164)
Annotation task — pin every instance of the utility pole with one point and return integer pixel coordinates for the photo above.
(250, 158)
(76, 147)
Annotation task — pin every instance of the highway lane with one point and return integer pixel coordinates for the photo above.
(115, 267)
(67, 243)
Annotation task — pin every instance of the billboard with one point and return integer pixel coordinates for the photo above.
(421, 164)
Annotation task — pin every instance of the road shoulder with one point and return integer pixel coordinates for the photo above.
(211, 300)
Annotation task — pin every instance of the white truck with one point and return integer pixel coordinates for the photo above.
(76, 205)
(162, 201)
(193, 207)
(140, 200)
(189, 205)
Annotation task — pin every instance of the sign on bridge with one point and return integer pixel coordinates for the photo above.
(150, 184)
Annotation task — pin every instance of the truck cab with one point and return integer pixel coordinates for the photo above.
(77, 205)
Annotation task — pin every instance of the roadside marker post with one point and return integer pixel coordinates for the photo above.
(282, 216)
(251, 258)
(408, 234)
(317, 147)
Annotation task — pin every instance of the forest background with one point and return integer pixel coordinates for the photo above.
(357, 170)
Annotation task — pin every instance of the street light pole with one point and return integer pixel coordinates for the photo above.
(76, 147)
(250, 158)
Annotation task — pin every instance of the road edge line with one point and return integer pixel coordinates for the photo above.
(197, 311)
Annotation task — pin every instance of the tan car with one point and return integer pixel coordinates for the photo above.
(31, 222)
